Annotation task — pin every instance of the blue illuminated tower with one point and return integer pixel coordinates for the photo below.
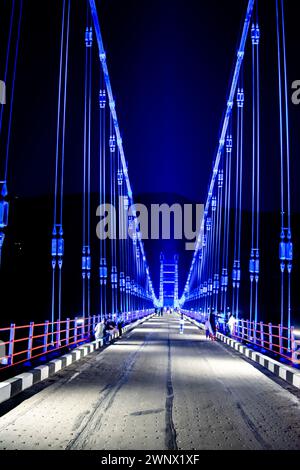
(168, 289)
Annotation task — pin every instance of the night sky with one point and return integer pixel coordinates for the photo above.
(170, 63)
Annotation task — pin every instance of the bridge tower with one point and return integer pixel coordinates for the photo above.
(168, 288)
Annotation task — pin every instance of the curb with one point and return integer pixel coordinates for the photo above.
(283, 371)
(12, 387)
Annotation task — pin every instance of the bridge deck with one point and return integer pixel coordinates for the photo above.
(156, 389)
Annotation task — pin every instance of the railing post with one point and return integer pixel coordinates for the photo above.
(94, 322)
(75, 329)
(261, 334)
(58, 334)
(270, 337)
(46, 334)
(67, 331)
(30, 339)
(280, 338)
(254, 331)
(295, 347)
(89, 326)
(235, 331)
(248, 336)
(243, 329)
(11, 342)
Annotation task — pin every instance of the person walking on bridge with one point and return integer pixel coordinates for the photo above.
(208, 330)
(231, 324)
(99, 330)
(120, 324)
(181, 324)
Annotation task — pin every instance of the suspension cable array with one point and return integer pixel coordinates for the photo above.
(207, 284)
(4, 202)
(124, 279)
(254, 254)
(86, 212)
(285, 245)
(217, 278)
(57, 247)
(208, 289)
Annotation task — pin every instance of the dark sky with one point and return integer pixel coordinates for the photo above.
(170, 62)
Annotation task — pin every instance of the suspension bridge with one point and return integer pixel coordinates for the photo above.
(135, 370)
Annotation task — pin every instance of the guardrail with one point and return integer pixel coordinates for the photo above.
(277, 339)
(20, 344)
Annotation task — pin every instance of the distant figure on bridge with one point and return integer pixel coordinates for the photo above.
(106, 331)
(99, 330)
(111, 328)
(212, 319)
(181, 324)
(120, 324)
(208, 330)
(231, 324)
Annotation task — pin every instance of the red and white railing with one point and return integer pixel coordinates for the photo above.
(277, 339)
(19, 344)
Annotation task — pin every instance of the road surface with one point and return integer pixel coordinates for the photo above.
(156, 389)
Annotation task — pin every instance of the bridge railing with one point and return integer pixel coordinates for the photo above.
(19, 344)
(276, 339)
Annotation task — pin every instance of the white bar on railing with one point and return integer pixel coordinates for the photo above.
(30, 339)
(75, 330)
(261, 334)
(248, 335)
(280, 338)
(58, 334)
(254, 332)
(68, 331)
(11, 342)
(270, 336)
(46, 336)
(243, 329)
